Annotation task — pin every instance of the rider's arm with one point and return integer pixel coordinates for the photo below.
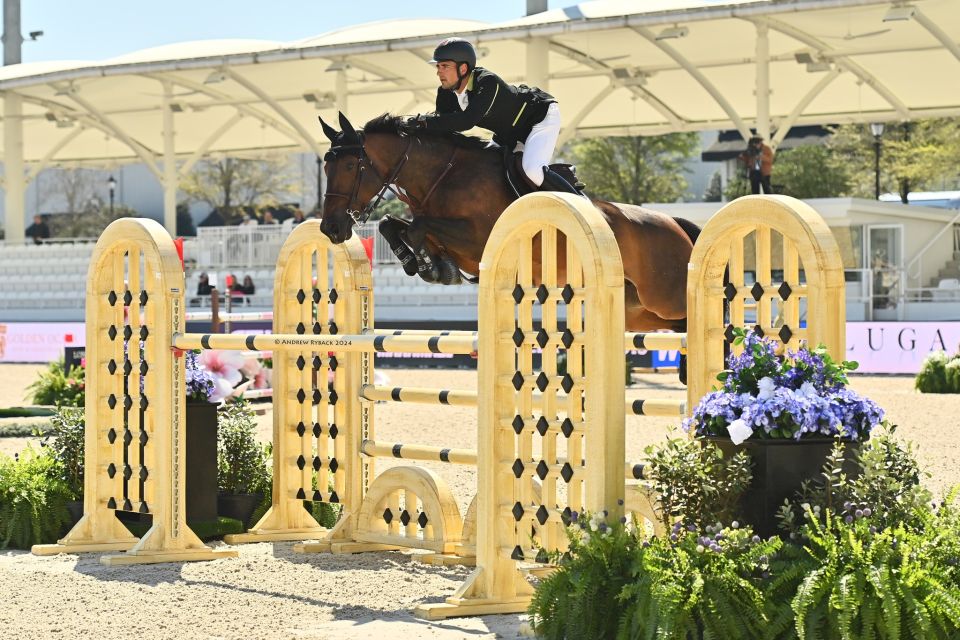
(456, 120)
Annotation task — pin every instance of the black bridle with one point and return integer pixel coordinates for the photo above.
(359, 216)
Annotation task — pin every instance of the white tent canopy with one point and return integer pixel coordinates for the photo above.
(616, 66)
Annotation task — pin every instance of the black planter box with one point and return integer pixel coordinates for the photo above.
(239, 506)
(779, 469)
(201, 461)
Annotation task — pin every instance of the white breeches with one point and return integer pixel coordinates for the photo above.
(539, 146)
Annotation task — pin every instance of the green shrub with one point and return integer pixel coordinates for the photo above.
(65, 442)
(888, 483)
(242, 462)
(54, 387)
(939, 373)
(695, 482)
(33, 500)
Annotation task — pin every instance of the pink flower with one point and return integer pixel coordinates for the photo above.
(261, 379)
(251, 367)
(223, 364)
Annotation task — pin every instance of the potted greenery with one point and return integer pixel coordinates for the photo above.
(869, 557)
(243, 472)
(65, 442)
(56, 387)
(785, 411)
(33, 499)
(201, 440)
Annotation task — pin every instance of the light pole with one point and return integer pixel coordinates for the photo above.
(876, 128)
(113, 188)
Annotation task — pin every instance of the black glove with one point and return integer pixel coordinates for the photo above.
(410, 124)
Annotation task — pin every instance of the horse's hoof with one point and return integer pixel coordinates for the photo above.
(449, 273)
(430, 274)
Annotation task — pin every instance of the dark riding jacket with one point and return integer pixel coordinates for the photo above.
(509, 111)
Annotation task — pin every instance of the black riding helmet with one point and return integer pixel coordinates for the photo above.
(458, 51)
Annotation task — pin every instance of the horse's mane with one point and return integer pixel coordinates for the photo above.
(388, 123)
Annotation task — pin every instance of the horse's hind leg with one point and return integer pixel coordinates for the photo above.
(640, 319)
(392, 230)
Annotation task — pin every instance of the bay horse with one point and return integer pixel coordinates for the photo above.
(456, 188)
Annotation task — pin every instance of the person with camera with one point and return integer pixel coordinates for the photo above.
(759, 160)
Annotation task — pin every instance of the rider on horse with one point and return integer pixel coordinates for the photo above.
(471, 96)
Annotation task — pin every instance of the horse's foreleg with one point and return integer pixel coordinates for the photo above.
(392, 229)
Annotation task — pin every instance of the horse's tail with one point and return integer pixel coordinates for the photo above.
(692, 230)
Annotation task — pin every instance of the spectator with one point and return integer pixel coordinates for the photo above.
(759, 160)
(248, 287)
(236, 289)
(204, 288)
(39, 230)
(268, 218)
(250, 221)
(293, 220)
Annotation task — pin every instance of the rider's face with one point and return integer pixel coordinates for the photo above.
(447, 73)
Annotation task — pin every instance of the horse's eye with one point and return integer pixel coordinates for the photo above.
(351, 165)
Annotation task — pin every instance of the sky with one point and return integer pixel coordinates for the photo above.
(87, 30)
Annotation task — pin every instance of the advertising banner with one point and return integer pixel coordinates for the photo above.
(898, 347)
(38, 341)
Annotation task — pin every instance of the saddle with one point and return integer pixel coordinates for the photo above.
(520, 183)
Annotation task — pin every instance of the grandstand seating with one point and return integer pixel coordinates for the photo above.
(47, 283)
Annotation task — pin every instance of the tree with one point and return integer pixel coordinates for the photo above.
(231, 183)
(68, 190)
(914, 156)
(811, 171)
(635, 169)
(714, 192)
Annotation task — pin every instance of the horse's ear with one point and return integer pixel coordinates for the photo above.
(346, 126)
(328, 131)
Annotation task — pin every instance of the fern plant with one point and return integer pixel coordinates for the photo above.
(701, 583)
(579, 599)
(33, 500)
(870, 583)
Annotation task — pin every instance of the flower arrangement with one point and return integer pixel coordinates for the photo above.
(765, 395)
(214, 376)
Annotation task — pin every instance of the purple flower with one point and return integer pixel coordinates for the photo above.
(200, 384)
(775, 397)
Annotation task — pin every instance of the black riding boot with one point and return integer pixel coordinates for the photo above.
(553, 181)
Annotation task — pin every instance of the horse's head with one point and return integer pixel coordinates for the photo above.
(352, 182)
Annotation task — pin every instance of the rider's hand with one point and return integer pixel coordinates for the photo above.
(411, 123)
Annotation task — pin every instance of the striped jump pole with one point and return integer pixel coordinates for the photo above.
(632, 470)
(296, 342)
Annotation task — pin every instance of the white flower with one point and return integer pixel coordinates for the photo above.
(807, 390)
(767, 387)
(739, 431)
